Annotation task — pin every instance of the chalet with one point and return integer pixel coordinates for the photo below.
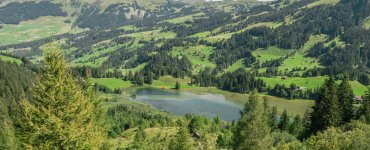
(359, 99)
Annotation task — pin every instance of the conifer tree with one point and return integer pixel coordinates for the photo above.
(60, 114)
(296, 128)
(273, 119)
(253, 131)
(365, 109)
(284, 122)
(326, 111)
(177, 86)
(139, 141)
(346, 97)
(182, 140)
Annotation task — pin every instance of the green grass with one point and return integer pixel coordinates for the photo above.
(133, 70)
(85, 60)
(312, 82)
(112, 83)
(168, 82)
(366, 24)
(196, 54)
(338, 42)
(314, 39)
(129, 28)
(11, 59)
(235, 66)
(298, 60)
(201, 34)
(270, 53)
(34, 29)
(322, 2)
(184, 19)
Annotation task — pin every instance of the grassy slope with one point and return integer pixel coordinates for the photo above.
(7, 58)
(312, 82)
(34, 29)
(112, 83)
(196, 54)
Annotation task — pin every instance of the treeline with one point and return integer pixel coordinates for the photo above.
(294, 36)
(123, 117)
(292, 92)
(239, 81)
(15, 81)
(14, 13)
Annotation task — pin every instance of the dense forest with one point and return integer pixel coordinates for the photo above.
(301, 68)
(14, 13)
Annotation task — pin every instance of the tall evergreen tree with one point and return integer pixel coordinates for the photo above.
(139, 141)
(60, 114)
(296, 128)
(253, 131)
(365, 109)
(346, 97)
(177, 85)
(273, 119)
(326, 111)
(182, 140)
(284, 122)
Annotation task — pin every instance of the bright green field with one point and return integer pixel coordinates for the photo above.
(322, 2)
(168, 82)
(198, 55)
(84, 60)
(185, 18)
(270, 53)
(34, 29)
(367, 24)
(312, 82)
(298, 60)
(112, 83)
(235, 66)
(6, 58)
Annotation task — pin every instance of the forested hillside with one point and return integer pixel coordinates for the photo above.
(299, 68)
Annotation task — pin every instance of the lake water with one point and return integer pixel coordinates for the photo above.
(181, 103)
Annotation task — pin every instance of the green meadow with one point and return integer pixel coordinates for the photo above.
(35, 29)
(11, 59)
(112, 83)
(198, 55)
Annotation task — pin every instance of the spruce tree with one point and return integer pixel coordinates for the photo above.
(273, 119)
(346, 97)
(253, 131)
(177, 85)
(284, 122)
(326, 111)
(139, 140)
(296, 128)
(182, 140)
(60, 114)
(365, 109)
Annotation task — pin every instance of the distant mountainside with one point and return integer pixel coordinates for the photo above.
(307, 38)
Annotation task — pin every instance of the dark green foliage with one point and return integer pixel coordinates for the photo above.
(365, 109)
(182, 140)
(15, 81)
(14, 13)
(177, 85)
(346, 98)
(284, 123)
(292, 92)
(326, 111)
(139, 140)
(239, 81)
(225, 139)
(124, 117)
(253, 131)
(296, 128)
